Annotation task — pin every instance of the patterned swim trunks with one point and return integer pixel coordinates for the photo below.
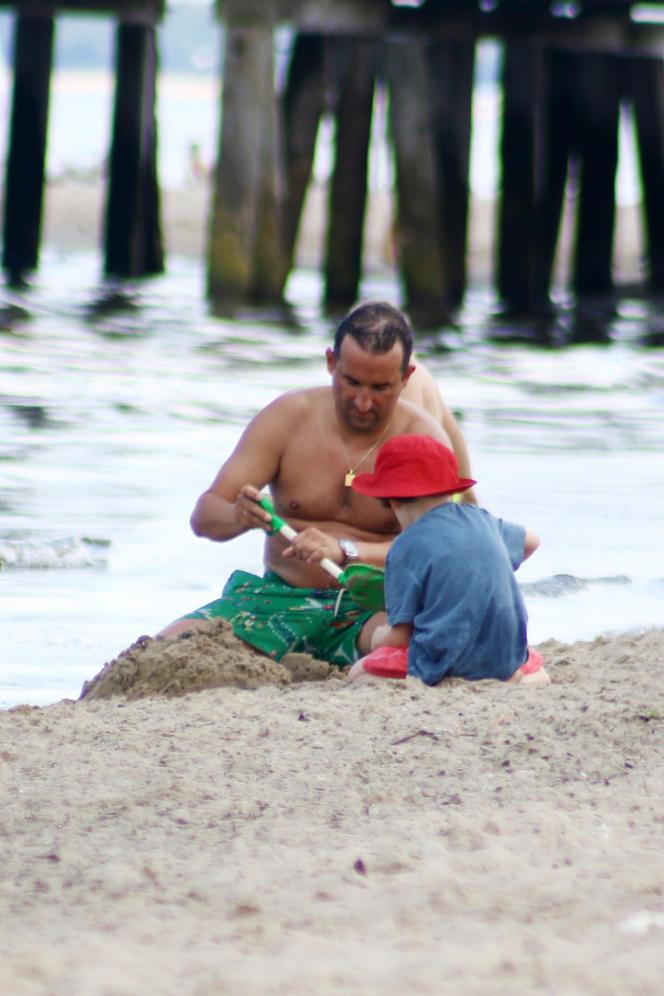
(279, 619)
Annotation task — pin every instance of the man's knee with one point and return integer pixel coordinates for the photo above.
(367, 631)
(180, 626)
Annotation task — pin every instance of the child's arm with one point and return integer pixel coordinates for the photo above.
(391, 636)
(531, 543)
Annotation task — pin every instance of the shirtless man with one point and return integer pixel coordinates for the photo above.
(307, 446)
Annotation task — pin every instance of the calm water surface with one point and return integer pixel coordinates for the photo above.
(113, 420)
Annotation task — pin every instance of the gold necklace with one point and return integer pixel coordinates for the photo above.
(352, 471)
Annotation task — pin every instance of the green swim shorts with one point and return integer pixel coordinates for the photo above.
(278, 619)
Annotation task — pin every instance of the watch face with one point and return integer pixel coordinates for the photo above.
(350, 550)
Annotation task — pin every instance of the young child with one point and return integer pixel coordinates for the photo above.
(454, 608)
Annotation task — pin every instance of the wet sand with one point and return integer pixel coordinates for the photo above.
(302, 835)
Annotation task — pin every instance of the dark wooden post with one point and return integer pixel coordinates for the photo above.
(522, 149)
(598, 99)
(133, 235)
(417, 226)
(24, 185)
(303, 104)
(645, 87)
(348, 193)
(246, 261)
(561, 141)
(451, 66)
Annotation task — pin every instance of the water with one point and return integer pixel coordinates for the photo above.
(112, 421)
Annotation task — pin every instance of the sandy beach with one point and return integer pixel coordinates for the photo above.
(301, 835)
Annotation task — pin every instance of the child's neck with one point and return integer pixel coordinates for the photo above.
(411, 511)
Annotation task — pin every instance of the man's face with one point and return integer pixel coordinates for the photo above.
(366, 386)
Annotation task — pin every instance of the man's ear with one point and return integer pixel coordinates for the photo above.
(407, 373)
(330, 359)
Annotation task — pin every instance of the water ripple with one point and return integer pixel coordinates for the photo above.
(567, 584)
(68, 552)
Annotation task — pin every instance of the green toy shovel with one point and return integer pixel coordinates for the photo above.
(365, 584)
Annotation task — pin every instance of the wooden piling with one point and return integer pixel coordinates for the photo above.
(24, 182)
(560, 144)
(451, 68)
(417, 233)
(348, 188)
(132, 229)
(246, 260)
(302, 107)
(645, 89)
(519, 272)
(598, 102)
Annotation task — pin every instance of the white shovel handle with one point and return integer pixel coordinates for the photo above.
(328, 565)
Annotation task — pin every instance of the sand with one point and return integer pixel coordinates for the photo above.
(208, 657)
(74, 212)
(313, 837)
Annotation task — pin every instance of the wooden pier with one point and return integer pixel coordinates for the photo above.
(567, 71)
(132, 232)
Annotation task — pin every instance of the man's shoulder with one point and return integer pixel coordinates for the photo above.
(411, 419)
(300, 402)
(304, 396)
(423, 391)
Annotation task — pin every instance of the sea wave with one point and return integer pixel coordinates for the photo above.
(45, 554)
(567, 584)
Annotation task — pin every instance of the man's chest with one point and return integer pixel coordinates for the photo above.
(313, 486)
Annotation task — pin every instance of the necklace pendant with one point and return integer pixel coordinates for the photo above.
(349, 478)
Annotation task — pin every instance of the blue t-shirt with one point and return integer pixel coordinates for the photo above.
(451, 576)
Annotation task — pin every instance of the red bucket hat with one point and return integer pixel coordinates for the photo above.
(412, 467)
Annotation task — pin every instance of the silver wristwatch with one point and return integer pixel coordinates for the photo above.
(349, 550)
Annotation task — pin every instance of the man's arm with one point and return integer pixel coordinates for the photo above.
(312, 544)
(228, 507)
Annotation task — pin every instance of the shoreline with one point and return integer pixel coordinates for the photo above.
(321, 837)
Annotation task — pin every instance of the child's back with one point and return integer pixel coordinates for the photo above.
(450, 575)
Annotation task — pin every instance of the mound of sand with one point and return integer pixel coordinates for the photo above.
(209, 656)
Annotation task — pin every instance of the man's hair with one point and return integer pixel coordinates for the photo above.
(376, 326)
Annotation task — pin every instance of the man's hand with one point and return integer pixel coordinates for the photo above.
(248, 513)
(312, 545)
